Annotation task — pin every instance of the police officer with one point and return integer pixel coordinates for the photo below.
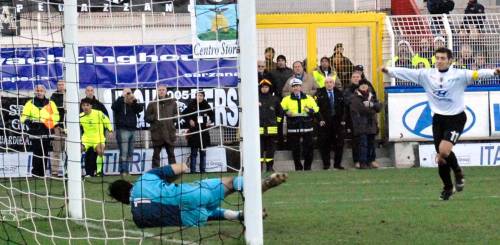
(300, 110)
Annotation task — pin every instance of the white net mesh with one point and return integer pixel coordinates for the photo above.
(136, 45)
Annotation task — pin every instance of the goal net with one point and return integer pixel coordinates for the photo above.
(136, 46)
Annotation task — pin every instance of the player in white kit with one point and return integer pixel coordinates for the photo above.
(445, 87)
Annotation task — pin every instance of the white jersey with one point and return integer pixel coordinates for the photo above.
(445, 90)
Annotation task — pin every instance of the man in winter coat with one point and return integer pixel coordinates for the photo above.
(161, 114)
(58, 144)
(96, 104)
(199, 117)
(270, 113)
(309, 85)
(126, 111)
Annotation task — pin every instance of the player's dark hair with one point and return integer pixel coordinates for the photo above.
(120, 190)
(444, 50)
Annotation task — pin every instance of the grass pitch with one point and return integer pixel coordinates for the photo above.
(387, 206)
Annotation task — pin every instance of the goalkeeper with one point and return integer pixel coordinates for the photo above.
(93, 124)
(157, 201)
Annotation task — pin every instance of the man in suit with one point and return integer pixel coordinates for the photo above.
(331, 132)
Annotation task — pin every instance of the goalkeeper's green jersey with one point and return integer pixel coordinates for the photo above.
(93, 126)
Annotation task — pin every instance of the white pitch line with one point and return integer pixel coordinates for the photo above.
(147, 234)
(279, 203)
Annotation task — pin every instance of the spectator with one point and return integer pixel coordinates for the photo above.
(279, 78)
(324, 70)
(364, 109)
(58, 144)
(466, 57)
(270, 114)
(262, 73)
(94, 125)
(199, 116)
(348, 94)
(440, 6)
(405, 54)
(161, 114)
(360, 69)
(474, 7)
(331, 107)
(126, 111)
(96, 104)
(269, 55)
(425, 49)
(40, 115)
(309, 86)
(300, 110)
(341, 64)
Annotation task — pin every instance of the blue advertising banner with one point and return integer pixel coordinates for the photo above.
(116, 66)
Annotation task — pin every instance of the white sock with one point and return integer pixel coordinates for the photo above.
(232, 215)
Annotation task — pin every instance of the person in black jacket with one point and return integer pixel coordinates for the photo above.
(199, 117)
(279, 76)
(270, 113)
(126, 111)
(58, 144)
(96, 104)
(473, 7)
(331, 107)
(440, 6)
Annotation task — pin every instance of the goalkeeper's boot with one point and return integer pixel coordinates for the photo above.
(273, 180)
(459, 181)
(241, 216)
(446, 195)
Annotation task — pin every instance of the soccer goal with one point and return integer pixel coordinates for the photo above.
(113, 56)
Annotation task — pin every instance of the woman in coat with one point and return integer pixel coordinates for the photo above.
(199, 117)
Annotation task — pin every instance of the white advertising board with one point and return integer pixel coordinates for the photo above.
(474, 154)
(19, 164)
(410, 117)
(495, 113)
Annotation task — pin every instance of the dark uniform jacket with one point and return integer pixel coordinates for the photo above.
(279, 76)
(270, 113)
(58, 98)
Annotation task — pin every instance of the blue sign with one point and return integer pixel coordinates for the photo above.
(496, 116)
(418, 119)
(116, 66)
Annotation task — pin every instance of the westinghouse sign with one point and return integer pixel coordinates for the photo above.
(26, 6)
(116, 66)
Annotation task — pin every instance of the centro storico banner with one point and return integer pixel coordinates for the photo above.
(116, 66)
(214, 28)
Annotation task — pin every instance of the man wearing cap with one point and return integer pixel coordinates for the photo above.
(342, 65)
(300, 110)
(309, 86)
(324, 70)
(270, 113)
(40, 115)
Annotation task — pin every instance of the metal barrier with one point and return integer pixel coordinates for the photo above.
(474, 40)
